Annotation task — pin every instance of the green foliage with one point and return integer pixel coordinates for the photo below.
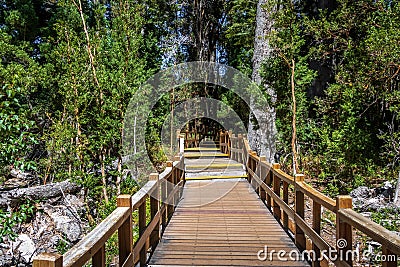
(238, 35)
(288, 42)
(19, 76)
(346, 127)
(388, 218)
(62, 246)
(8, 220)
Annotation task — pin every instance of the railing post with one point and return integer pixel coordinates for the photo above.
(125, 235)
(316, 224)
(249, 166)
(175, 175)
(240, 146)
(253, 167)
(48, 260)
(299, 203)
(262, 176)
(268, 181)
(169, 188)
(344, 232)
(154, 208)
(229, 143)
(181, 173)
(285, 196)
(277, 190)
(233, 146)
(181, 140)
(220, 141)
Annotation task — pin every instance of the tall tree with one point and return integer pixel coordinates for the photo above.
(262, 133)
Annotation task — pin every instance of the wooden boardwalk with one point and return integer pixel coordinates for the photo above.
(220, 222)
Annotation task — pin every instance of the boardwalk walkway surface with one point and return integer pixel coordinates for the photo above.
(220, 222)
(219, 219)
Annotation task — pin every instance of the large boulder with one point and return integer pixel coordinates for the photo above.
(58, 221)
(25, 248)
(365, 199)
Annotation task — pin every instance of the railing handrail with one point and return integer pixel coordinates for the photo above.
(164, 191)
(267, 178)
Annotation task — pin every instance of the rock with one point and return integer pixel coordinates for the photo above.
(361, 192)
(367, 200)
(25, 246)
(387, 190)
(60, 219)
(21, 175)
(12, 184)
(65, 221)
(6, 260)
(374, 204)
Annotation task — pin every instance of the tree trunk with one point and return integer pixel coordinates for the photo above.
(294, 110)
(262, 134)
(397, 193)
(14, 197)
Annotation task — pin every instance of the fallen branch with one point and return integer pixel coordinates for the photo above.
(14, 197)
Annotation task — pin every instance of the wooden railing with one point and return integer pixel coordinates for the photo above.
(273, 186)
(194, 137)
(160, 195)
(225, 142)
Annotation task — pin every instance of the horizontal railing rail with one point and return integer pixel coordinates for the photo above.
(273, 185)
(160, 195)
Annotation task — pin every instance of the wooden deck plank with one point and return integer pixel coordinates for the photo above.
(221, 223)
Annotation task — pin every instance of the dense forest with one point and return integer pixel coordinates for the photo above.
(329, 69)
